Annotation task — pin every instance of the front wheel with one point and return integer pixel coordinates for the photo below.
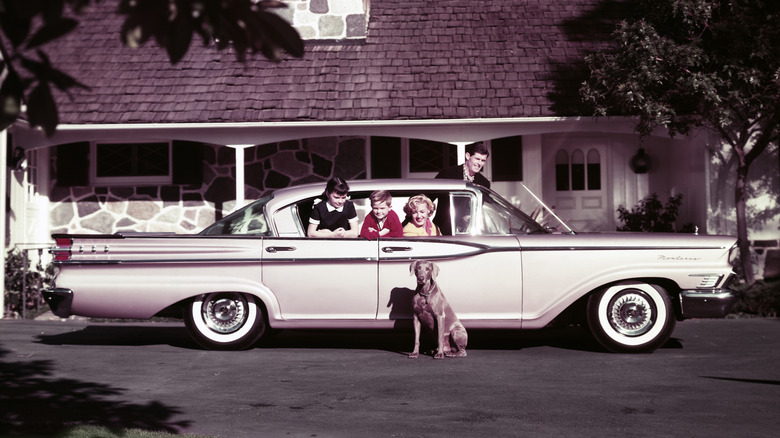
(225, 321)
(631, 317)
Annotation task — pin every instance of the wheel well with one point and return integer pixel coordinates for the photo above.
(671, 288)
(575, 314)
(175, 310)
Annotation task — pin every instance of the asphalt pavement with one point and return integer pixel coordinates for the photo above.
(714, 378)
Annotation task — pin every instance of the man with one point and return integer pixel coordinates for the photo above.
(476, 156)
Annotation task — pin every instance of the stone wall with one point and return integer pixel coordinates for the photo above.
(188, 209)
(327, 19)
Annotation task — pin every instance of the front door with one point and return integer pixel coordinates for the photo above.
(575, 182)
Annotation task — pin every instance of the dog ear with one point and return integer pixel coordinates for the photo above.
(412, 266)
(434, 271)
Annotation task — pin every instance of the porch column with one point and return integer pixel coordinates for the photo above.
(461, 145)
(3, 190)
(240, 172)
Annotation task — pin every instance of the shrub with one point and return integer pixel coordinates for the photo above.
(650, 215)
(762, 298)
(37, 279)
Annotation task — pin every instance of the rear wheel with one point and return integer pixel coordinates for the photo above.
(631, 317)
(225, 320)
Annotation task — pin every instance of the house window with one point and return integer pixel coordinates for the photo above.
(594, 170)
(385, 157)
(430, 156)
(507, 158)
(561, 171)
(576, 171)
(131, 163)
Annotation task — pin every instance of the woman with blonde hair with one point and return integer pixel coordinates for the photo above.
(419, 209)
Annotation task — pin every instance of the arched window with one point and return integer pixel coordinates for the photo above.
(561, 171)
(577, 170)
(594, 170)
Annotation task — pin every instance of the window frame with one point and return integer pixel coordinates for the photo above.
(581, 179)
(128, 180)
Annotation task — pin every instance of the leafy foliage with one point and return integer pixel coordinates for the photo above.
(650, 215)
(28, 76)
(761, 298)
(37, 279)
(680, 64)
(684, 63)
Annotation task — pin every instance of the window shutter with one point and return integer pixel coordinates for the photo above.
(187, 162)
(73, 164)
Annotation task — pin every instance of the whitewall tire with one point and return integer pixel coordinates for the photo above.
(631, 317)
(225, 320)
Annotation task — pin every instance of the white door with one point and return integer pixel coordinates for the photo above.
(575, 182)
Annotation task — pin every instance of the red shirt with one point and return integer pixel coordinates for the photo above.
(391, 223)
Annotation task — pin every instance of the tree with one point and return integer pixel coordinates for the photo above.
(680, 64)
(27, 25)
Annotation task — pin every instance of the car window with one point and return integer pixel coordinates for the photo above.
(249, 220)
(362, 204)
(500, 217)
(462, 208)
(304, 208)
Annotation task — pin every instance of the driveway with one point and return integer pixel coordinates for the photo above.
(713, 378)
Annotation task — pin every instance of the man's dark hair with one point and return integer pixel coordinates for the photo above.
(477, 148)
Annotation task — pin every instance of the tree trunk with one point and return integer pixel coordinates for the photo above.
(742, 232)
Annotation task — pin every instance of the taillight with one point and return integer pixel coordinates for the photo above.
(62, 250)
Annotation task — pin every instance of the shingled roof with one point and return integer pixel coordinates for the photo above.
(421, 59)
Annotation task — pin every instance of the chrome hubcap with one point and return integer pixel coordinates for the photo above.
(224, 313)
(631, 312)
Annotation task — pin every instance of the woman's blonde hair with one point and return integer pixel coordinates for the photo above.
(419, 199)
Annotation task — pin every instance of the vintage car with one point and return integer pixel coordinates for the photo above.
(256, 270)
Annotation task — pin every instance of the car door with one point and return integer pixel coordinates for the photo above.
(322, 278)
(481, 278)
(479, 275)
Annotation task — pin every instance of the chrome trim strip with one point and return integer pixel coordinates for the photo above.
(121, 262)
(613, 248)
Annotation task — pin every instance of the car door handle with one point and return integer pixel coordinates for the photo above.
(396, 248)
(273, 249)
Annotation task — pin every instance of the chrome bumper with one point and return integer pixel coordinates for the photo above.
(59, 301)
(707, 303)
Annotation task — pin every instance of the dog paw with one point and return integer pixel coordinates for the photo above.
(459, 353)
(438, 356)
(413, 355)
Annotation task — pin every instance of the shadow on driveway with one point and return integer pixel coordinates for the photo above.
(398, 340)
(36, 404)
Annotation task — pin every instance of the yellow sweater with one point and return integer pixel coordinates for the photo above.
(413, 230)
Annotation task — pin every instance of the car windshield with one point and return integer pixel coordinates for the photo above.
(501, 217)
(249, 220)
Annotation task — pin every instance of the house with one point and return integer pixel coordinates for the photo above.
(387, 88)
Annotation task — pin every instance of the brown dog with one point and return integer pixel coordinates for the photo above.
(432, 309)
